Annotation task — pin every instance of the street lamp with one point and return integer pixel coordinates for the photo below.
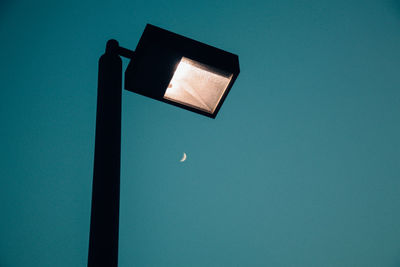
(167, 67)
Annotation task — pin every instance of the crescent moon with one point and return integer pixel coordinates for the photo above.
(184, 157)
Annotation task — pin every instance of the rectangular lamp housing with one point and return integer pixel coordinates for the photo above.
(180, 71)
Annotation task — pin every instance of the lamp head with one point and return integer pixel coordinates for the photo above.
(180, 71)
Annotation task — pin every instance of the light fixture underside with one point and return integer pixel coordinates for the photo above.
(197, 85)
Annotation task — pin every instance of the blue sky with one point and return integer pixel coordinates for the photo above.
(301, 167)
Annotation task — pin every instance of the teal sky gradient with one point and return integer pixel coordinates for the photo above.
(301, 167)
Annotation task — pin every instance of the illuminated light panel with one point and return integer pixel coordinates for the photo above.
(197, 85)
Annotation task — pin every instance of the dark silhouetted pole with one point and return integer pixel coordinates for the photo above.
(104, 221)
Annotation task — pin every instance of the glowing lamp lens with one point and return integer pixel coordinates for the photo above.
(197, 85)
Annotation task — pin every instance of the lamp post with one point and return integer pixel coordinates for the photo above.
(167, 67)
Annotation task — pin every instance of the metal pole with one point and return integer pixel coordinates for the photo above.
(104, 221)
